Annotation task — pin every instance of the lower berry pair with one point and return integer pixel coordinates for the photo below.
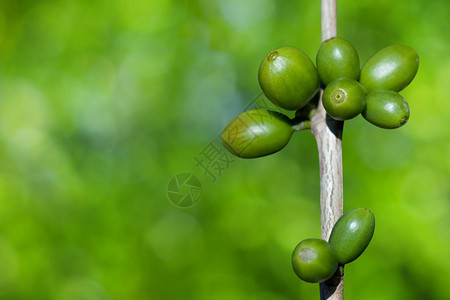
(315, 260)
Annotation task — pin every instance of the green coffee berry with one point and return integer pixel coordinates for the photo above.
(314, 260)
(352, 234)
(337, 58)
(386, 109)
(391, 68)
(288, 78)
(343, 99)
(257, 133)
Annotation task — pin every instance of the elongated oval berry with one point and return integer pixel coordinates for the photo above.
(314, 260)
(343, 99)
(391, 68)
(352, 234)
(288, 78)
(386, 109)
(337, 58)
(257, 133)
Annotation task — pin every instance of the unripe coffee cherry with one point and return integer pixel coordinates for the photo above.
(314, 260)
(337, 58)
(257, 133)
(288, 78)
(391, 68)
(352, 234)
(343, 99)
(386, 109)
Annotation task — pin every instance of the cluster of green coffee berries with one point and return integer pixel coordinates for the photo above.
(315, 260)
(375, 95)
(290, 79)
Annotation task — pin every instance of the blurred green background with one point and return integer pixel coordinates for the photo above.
(103, 102)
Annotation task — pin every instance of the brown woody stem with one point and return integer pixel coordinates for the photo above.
(328, 134)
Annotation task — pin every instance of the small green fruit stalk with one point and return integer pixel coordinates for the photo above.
(352, 234)
(386, 109)
(343, 99)
(337, 58)
(391, 68)
(288, 78)
(257, 133)
(314, 260)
